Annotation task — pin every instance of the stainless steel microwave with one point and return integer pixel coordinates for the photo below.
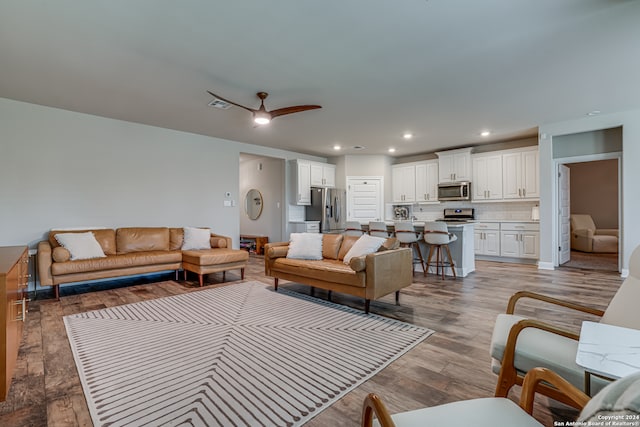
(454, 191)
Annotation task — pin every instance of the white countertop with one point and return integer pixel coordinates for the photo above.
(304, 222)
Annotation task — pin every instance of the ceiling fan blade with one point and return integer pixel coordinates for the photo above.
(291, 110)
(231, 102)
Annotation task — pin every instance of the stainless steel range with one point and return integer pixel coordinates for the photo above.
(459, 215)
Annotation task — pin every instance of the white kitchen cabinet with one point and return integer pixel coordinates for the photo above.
(520, 240)
(305, 227)
(403, 183)
(520, 174)
(487, 238)
(487, 177)
(323, 175)
(301, 170)
(427, 181)
(454, 165)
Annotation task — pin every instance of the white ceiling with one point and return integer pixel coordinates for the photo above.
(442, 69)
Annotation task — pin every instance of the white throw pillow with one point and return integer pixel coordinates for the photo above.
(81, 245)
(196, 238)
(305, 246)
(364, 245)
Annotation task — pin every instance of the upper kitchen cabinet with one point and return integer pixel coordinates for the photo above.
(403, 183)
(487, 176)
(454, 165)
(323, 175)
(520, 174)
(301, 171)
(427, 181)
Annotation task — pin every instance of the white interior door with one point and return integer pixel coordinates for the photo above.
(364, 199)
(564, 213)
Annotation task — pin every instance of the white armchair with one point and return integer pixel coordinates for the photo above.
(586, 237)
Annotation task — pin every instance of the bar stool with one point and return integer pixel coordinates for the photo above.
(437, 235)
(409, 238)
(378, 229)
(353, 228)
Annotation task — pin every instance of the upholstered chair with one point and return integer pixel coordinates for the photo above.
(586, 237)
(378, 229)
(353, 228)
(518, 344)
(437, 236)
(408, 237)
(482, 412)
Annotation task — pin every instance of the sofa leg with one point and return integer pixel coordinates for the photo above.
(242, 274)
(329, 296)
(185, 274)
(56, 292)
(224, 276)
(313, 292)
(275, 283)
(367, 303)
(177, 274)
(397, 297)
(200, 279)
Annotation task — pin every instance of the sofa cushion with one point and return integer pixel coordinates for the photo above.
(328, 270)
(142, 239)
(116, 261)
(196, 238)
(347, 242)
(81, 245)
(331, 245)
(176, 236)
(363, 246)
(106, 237)
(214, 256)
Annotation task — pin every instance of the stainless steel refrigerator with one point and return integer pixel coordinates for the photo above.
(328, 205)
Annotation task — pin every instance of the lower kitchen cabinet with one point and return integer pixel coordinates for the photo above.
(487, 238)
(520, 240)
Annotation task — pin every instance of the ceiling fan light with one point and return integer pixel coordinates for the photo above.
(261, 118)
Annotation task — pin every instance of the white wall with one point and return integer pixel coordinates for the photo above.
(64, 169)
(630, 201)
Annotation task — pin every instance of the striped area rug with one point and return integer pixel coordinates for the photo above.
(238, 355)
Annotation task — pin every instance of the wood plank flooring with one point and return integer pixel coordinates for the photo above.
(453, 364)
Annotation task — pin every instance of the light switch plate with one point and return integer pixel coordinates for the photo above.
(227, 203)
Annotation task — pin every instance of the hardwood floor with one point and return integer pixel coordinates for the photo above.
(453, 364)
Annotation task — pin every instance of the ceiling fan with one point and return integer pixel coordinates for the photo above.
(261, 116)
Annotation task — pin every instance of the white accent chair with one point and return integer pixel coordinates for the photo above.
(353, 228)
(483, 412)
(519, 344)
(436, 235)
(409, 238)
(586, 237)
(378, 229)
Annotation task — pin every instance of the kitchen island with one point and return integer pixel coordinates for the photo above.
(462, 250)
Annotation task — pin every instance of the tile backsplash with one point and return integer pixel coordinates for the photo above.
(496, 210)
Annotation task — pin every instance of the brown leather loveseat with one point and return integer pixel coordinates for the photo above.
(134, 250)
(369, 276)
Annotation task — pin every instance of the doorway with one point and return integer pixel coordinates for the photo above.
(588, 185)
(262, 179)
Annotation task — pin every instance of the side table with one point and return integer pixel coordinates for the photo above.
(258, 240)
(607, 351)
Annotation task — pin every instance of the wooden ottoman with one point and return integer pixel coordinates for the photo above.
(205, 261)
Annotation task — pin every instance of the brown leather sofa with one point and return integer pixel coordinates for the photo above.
(135, 250)
(370, 276)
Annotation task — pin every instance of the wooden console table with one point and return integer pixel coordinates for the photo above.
(257, 242)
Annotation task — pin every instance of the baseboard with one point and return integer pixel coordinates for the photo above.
(546, 265)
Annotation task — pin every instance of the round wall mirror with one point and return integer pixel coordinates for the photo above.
(253, 204)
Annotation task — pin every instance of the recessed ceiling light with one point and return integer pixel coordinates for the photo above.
(594, 113)
(407, 135)
(392, 150)
(337, 147)
(485, 133)
(359, 147)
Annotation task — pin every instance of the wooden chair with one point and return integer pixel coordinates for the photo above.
(353, 228)
(408, 237)
(436, 235)
(483, 412)
(378, 229)
(519, 343)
